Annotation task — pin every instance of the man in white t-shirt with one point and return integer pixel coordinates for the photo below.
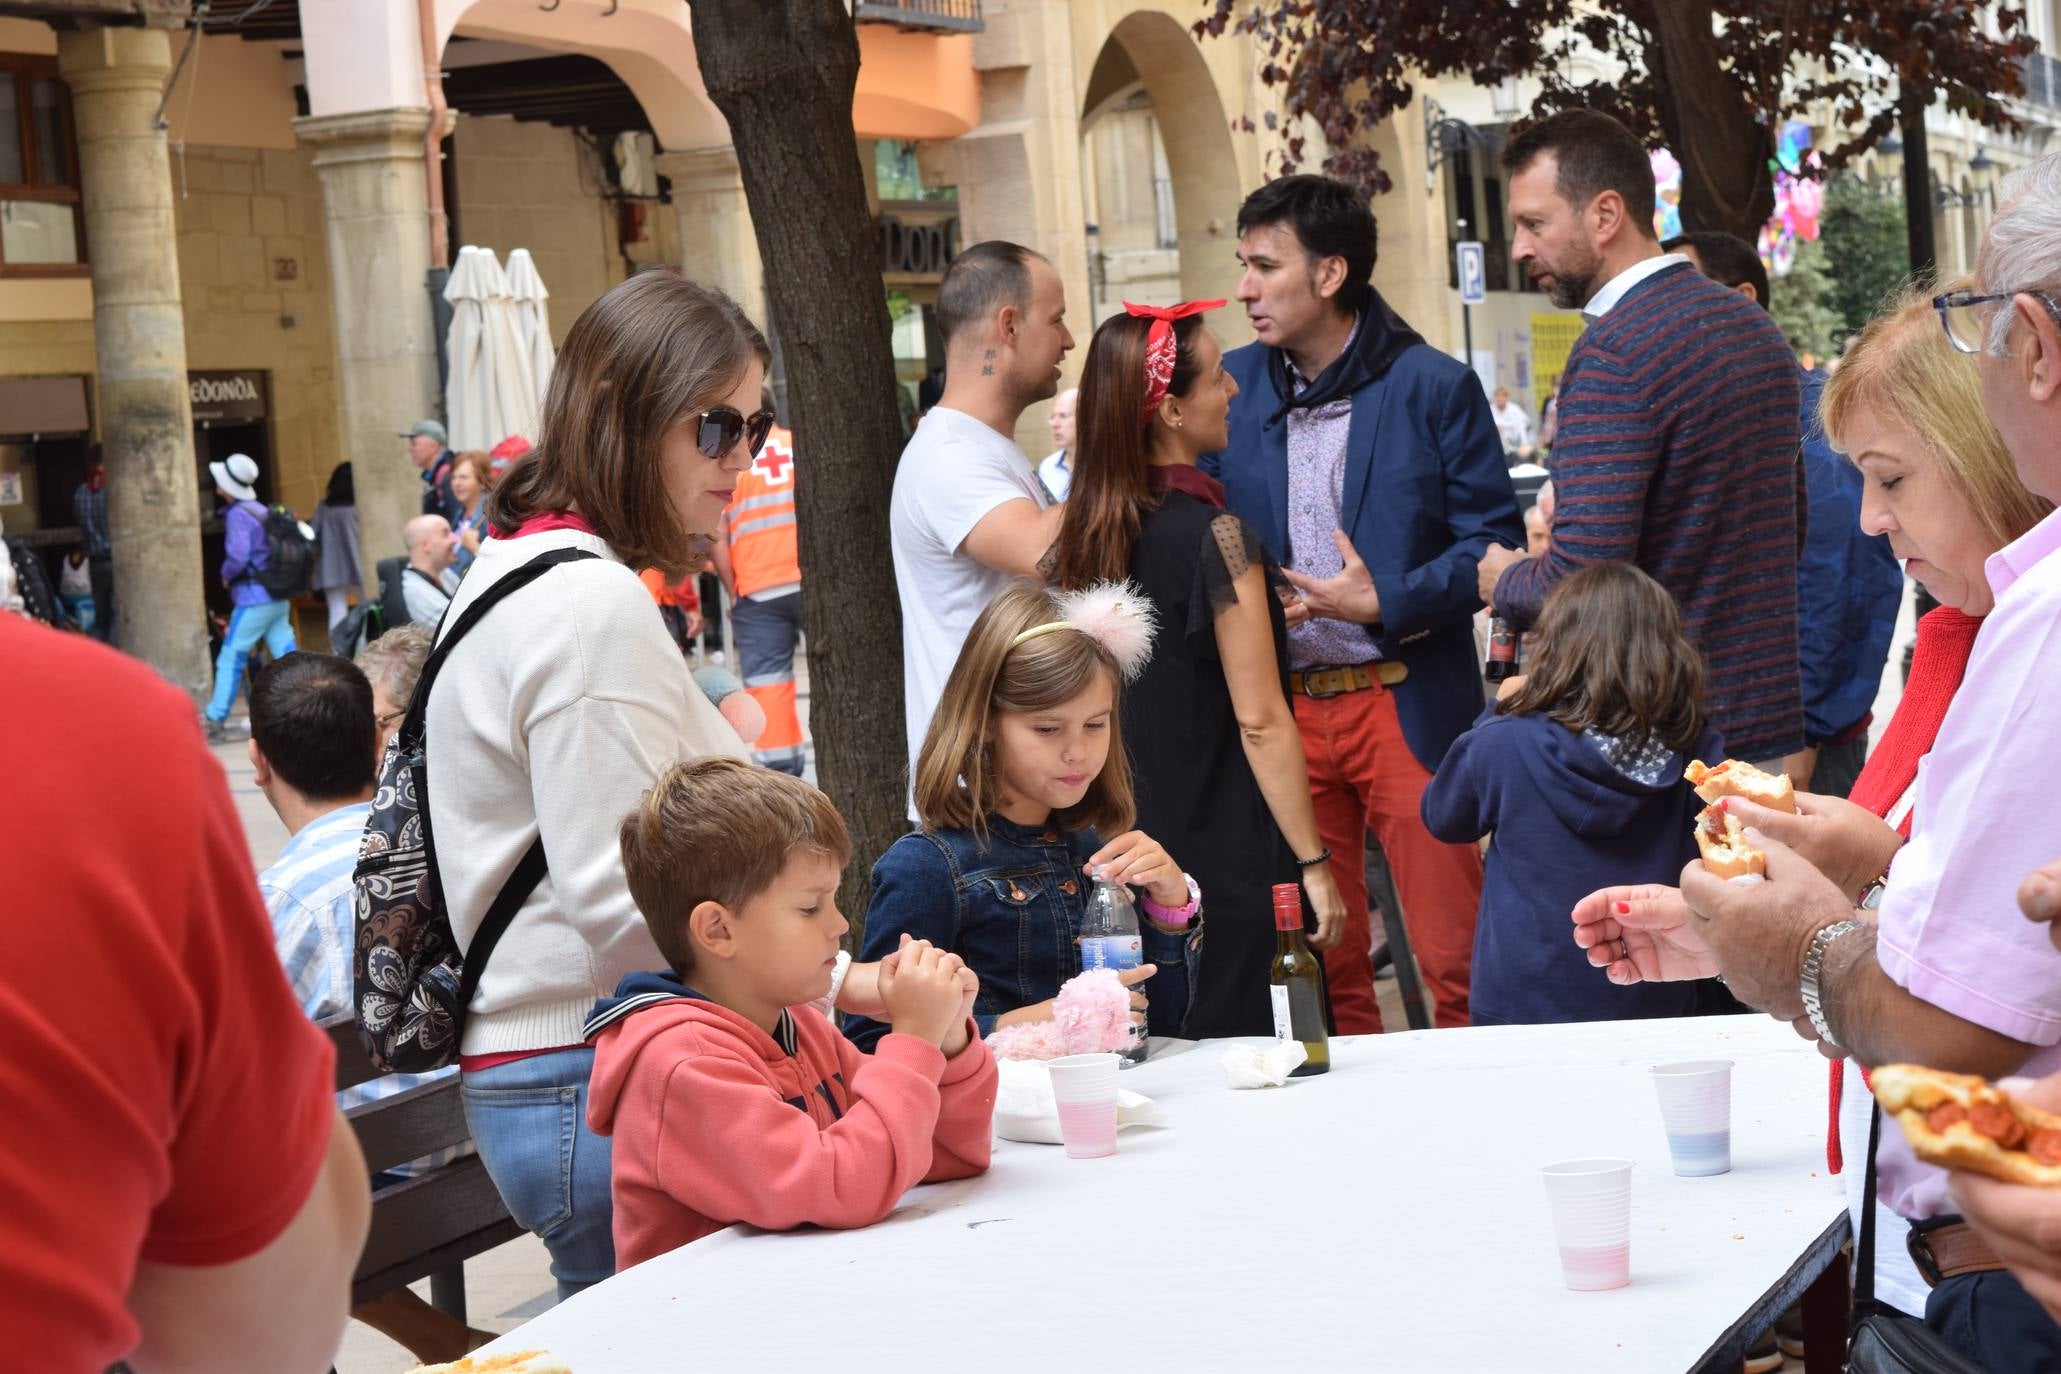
(969, 512)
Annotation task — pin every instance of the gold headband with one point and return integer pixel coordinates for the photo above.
(1034, 631)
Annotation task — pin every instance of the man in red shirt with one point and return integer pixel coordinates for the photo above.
(177, 1187)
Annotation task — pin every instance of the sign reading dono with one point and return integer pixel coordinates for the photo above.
(918, 244)
(227, 396)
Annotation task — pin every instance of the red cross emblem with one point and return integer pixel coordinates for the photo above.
(775, 464)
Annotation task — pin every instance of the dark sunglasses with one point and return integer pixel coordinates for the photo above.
(719, 427)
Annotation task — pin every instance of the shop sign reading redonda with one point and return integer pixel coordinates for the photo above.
(232, 396)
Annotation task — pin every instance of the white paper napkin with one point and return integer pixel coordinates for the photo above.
(1248, 1066)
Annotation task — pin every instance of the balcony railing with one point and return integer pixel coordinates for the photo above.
(954, 16)
(2042, 80)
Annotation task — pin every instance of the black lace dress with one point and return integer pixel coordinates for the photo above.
(1196, 793)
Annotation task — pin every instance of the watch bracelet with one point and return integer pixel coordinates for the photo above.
(1810, 984)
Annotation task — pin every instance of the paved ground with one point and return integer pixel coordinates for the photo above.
(513, 1283)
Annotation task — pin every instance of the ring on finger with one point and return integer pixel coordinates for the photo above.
(1624, 951)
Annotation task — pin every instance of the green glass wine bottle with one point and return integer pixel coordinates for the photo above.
(1297, 985)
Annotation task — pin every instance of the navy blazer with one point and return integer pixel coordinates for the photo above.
(1426, 490)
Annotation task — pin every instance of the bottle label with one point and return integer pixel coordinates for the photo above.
(1284, 1024)
(1112, 951)
(1502, 642)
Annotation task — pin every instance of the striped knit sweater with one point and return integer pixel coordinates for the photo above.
(1677, 451)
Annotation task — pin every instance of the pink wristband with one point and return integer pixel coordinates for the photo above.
(1175, 915)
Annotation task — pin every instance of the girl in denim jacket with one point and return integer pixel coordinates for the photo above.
(1022, 771)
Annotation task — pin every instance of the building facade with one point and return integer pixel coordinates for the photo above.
(244, 255)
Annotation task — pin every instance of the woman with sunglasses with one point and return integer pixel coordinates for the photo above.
(562, 706)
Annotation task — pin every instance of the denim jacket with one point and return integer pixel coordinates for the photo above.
(1012, 910)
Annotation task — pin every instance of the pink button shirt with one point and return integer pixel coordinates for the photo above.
(1951, 931)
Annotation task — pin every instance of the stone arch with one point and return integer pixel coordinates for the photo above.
(1152, 51)
(648, 43)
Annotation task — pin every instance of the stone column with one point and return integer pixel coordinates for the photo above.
(376, 209)
(117, 77)
(717, 244)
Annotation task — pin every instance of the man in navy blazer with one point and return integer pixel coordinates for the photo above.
(1369, 462)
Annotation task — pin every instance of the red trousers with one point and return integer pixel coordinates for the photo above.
(1364, 777)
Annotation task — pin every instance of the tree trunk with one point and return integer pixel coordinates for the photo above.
(783, 73)
(1711, 129)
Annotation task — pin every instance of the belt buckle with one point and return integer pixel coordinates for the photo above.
(1917, 1241)
(1308, 676)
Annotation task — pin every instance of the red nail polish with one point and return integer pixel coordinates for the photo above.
(1624, 908)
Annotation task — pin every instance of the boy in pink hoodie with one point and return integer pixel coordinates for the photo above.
(730, 1097)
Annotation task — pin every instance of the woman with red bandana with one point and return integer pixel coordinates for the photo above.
(1218, 764)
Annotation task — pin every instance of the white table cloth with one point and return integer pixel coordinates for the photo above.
(1385, 1216)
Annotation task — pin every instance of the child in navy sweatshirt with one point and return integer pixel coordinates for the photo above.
(1578, 776)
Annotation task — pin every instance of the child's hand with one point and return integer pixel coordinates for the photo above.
(962, 1032)
(969, 988)
(860, 995)
(923, 994)
(1136, 858)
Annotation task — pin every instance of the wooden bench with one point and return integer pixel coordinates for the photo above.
(429, 1225)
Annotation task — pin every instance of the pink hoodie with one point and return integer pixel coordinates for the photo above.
(714, 1122)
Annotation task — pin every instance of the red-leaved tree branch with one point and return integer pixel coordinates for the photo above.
(1712, 79)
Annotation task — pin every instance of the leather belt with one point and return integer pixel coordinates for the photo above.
(1941, 1252)
(1319, 683)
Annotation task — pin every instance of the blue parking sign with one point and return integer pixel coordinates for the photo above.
(1473, 273)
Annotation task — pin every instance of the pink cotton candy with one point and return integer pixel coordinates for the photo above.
(1091, 1015)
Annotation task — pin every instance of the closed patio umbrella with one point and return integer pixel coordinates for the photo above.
(526, 289)
(468, 391)
(513, 385)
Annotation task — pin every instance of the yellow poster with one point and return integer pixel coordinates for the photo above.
(1552, 339)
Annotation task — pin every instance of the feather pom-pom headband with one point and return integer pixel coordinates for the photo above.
(1116, 615)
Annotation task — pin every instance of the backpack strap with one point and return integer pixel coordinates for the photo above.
(514, 580)
(529, 870)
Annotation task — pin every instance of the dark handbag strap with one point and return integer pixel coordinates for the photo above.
(529, 870)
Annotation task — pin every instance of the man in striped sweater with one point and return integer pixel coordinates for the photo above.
(1678, 428)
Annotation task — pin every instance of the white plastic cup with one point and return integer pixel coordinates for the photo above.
(1592, 1221)
(1084, 1088)
(1696, 1110)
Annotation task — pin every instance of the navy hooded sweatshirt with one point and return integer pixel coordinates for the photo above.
(1567, 818)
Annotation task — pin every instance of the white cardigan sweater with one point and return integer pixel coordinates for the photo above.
(555, 714)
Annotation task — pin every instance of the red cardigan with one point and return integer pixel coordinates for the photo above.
(1945, 639)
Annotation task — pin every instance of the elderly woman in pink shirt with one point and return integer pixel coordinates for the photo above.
(1945, 972)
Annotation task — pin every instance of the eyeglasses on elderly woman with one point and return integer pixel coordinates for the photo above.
(1966, 323)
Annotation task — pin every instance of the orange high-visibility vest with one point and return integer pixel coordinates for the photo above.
(759, 521)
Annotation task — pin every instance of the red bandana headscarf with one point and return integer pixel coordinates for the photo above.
(1161, 347)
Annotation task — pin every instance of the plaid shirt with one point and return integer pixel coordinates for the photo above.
(89, 507)
(308, 892)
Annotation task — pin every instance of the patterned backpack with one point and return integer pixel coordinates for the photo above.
(413, 982)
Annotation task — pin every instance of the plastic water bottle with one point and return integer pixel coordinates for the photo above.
(1110, 939)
